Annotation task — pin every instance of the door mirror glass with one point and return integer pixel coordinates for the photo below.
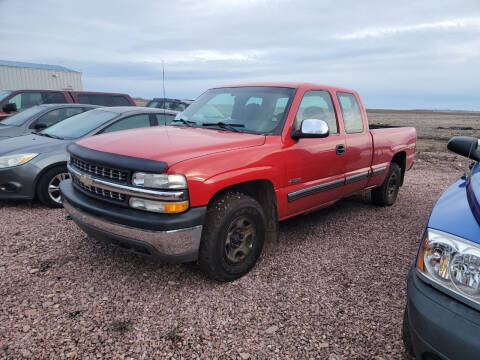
(466, 146)
(312, 128)
(10, 107)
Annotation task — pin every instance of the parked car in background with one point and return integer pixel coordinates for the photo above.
(38, 118)
(170, 104)
(12, 101)
(33, 165)
(239, 159)
(442, 315)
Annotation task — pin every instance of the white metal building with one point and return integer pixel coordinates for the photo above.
(21, 75)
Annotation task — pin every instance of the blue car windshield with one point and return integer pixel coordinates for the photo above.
(79, 125)
(20, 118)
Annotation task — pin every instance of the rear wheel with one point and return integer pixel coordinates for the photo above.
(386, 194)
(233, 237)
(48, 188)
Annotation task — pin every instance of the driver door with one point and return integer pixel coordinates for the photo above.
(315, 166)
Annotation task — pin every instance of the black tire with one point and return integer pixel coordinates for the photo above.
(386, 194)
(233, 237)
(407, 336)
(47, 188)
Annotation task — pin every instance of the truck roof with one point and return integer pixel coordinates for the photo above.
(293, 85)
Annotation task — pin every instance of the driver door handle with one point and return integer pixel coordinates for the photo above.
(340, 149)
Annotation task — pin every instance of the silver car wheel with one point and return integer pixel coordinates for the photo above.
(54, 186)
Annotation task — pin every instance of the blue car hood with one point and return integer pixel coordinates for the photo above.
(458, 210)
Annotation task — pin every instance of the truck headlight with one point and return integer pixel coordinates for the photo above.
(159, 181)
(15, 160)
(158, 206)
(452, 262)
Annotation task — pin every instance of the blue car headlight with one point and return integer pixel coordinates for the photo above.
(451, 262)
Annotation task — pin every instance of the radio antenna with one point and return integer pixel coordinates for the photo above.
(164, 96)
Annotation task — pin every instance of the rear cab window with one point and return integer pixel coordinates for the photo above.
(317, 104)
(352, 116)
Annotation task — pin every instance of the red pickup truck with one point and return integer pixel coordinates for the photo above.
(18, 100)
(213, 186)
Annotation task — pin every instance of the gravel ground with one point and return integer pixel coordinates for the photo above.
(332, 288)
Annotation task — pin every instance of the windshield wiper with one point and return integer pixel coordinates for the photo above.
(185, 122)
(231, 127)
(48, 135)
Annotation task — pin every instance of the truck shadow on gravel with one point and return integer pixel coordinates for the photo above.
(99, 254)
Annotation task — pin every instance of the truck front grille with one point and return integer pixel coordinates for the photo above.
(107, 194)
(99, 170)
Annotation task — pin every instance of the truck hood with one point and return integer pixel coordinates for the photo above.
(31, 144)
(170, 144)
(458, 210)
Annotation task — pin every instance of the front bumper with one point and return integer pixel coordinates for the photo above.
(440, 326)
(18, 182)
(168, 237)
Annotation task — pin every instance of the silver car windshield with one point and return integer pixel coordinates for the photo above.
(79, 125)
(20, 118)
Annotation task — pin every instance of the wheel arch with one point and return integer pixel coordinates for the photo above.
(263, 191)
(41, 173)
(400, 159)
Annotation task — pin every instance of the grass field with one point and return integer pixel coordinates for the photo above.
(433, 128)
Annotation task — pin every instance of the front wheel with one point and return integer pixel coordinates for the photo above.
(48, 188)
(233, 237)
(386, 194)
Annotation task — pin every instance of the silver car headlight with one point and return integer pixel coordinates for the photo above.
(451, 262)
(15, 160)
(159, 181)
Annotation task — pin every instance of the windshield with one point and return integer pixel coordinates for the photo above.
(21, 117)
(79, 125)
(4, 94)
(258, 110)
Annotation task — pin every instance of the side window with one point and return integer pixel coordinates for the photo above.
(47, 119)
(317, 104)
(120, 101)
(181, 106)
(352, 117)
(26, 100)
(164, 119)
(53, 98)
(55, 116)
(132, 122)
(94, 99)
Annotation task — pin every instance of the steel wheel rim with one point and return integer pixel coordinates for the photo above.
(240, 238)
(392, 186)
(54, 186)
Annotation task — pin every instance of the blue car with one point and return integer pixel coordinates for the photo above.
(442, 315)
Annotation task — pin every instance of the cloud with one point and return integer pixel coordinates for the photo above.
(395, 30)
(392, 52)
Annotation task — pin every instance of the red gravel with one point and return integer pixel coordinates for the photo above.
(332, 288)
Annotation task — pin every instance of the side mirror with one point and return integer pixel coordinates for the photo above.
(10, 107)
(466, 146)
(40, 126)
(311, 128)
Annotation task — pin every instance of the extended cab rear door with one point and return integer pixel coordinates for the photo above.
(315, 166)
(358, 151)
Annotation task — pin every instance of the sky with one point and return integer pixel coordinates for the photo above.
(399, 55)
